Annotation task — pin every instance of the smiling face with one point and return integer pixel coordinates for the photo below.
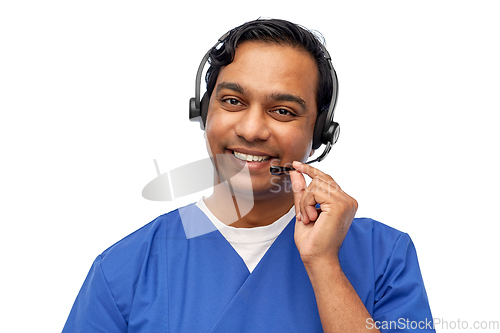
(262, 112)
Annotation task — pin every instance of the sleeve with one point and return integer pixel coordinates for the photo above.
(94, 309)
(401, 303)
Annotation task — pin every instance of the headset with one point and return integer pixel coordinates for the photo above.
(326, 131)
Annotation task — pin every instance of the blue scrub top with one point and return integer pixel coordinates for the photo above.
(179, 274)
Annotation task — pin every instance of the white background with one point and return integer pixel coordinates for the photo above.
(92, 91)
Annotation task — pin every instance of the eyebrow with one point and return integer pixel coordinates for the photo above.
(231, 86)
(288, 98)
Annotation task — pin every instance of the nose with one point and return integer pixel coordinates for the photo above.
(253, 125)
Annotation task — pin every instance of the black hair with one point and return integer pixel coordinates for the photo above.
(280, 32)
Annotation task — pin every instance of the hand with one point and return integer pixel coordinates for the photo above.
(319, 233)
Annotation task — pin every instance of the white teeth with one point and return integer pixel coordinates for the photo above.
(251, 158)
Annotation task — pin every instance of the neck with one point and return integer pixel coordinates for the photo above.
(248, 210)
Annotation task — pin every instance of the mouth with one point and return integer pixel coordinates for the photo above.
(256, 157)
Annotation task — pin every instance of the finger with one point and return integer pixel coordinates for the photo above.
(318, 192)
(305, 210)
(310, 171)
(298, 187)
(317, 174)
(309, 200)
(308, 206)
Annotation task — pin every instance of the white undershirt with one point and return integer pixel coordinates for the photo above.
(250, 243)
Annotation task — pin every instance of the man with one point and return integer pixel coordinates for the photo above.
(295, 260)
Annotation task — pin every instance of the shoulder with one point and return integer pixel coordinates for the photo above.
(370, 246)
(376, 242)
(388, 256)
(381, 263)
(123, 270)
(370, 231)
(126, 265)
(144, 234)
(130, 253)
(369, 225)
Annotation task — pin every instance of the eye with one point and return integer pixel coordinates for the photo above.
(283, 112)
(232, 101)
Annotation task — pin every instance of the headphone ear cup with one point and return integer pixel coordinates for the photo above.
(205, 101)
(332, 134)
(193, 110)
(319, 129)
